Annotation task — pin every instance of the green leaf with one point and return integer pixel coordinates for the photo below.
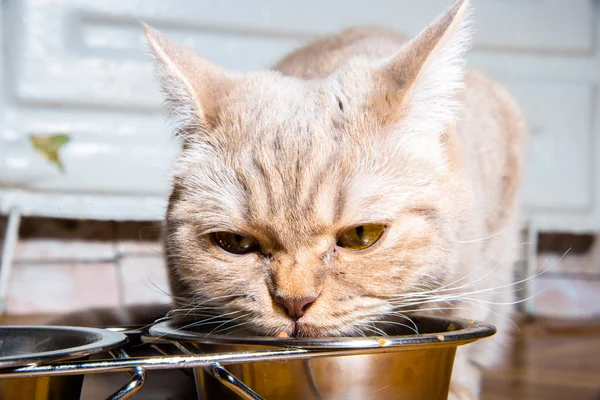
(49, 147)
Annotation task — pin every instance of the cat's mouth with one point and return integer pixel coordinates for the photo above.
(295, 332)
(304, 330)
(298, 330)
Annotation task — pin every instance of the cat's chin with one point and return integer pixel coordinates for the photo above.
(300, 330)
(303, 330)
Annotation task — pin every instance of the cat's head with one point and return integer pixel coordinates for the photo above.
(308, 206)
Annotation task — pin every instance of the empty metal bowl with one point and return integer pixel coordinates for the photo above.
(33, 345)
(401, 365)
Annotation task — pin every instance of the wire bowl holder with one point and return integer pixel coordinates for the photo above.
(273, 367)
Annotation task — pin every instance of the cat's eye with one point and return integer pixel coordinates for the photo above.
(234, 242)
(360, 237)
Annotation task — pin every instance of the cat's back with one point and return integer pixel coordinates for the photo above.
(493, 135)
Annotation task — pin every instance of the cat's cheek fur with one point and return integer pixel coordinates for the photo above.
(207, 276)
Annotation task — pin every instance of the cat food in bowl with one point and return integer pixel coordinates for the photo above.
(401, 365)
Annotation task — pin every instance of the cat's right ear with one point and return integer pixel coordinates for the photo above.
(190, 83)
(421, 83)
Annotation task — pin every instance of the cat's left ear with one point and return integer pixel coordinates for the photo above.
(421, 82)
(192, 85)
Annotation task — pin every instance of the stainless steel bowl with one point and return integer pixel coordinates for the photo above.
(397, 366)
(34, 345)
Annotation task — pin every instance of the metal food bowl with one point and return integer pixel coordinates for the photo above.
(22, 346)
(401, 365)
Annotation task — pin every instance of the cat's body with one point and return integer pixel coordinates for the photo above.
(353, 133)
(488, 145)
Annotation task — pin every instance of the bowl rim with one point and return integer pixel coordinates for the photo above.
(466, 331)
(105, 340)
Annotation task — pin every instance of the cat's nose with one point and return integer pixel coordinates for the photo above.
(296, 307)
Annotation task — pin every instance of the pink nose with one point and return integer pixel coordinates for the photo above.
(296, 307)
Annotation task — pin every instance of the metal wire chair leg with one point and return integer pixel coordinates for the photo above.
(138, 379)
(233, 383)
(8, 252)
(225, 377)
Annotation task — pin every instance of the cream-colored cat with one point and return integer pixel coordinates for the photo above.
(360, 178)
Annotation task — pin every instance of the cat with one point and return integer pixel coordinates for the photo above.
(362, 177)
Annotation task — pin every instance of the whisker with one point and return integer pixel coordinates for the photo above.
(396, 314)
(432, 296)
(377, 329)
(447, 287)
(496, 314)
(437, 309)
(218, 329)
(370, 329)
(225, 323)
(233, 327)
(487, 237)
(510, 303)
(201, 322)
(385, 322)
(237, 326)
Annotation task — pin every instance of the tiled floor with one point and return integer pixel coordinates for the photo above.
(62, 266)
(62, 281)
(62, 287)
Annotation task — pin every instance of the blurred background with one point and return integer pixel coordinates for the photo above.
(85, 152)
